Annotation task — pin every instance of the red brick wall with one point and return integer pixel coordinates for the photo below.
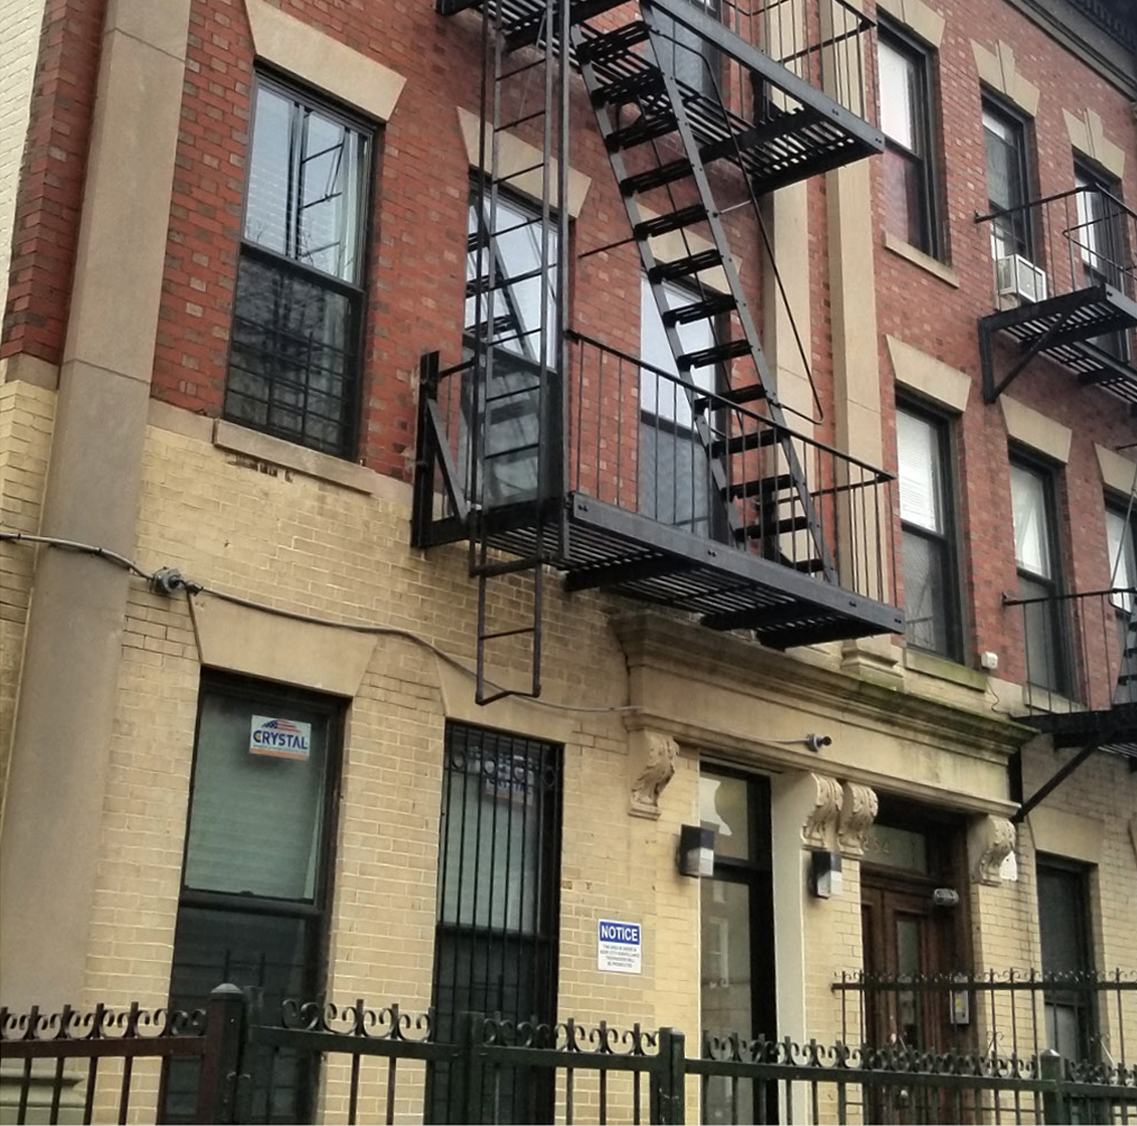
(929, 314)
(50, 194)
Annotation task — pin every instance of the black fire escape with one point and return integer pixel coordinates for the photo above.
(680, 483)
(1066, 292)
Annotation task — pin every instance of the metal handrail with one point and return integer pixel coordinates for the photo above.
(999, 212)
(698, 393)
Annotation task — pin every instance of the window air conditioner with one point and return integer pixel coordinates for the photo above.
(1015, 276)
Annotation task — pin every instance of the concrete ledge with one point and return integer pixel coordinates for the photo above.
(1117, 472)
(22, 368)
(998, 70)
(927, 23)
(1064, 834)
(929, 664)
(263, 447)
(918, 258)
(1088, 137)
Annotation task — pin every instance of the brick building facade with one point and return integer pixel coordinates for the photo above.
(209, 188)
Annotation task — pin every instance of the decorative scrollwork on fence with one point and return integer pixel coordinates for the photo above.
(101, 1023)
(356, 1019)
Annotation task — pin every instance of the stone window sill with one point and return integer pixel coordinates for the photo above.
(918, 258)
(942, 669)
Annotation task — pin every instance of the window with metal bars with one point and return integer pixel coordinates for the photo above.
(495, 948)
(294, 353)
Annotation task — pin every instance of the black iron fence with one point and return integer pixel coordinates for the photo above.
(380, 1065)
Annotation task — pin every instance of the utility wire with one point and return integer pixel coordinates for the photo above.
(168, 580)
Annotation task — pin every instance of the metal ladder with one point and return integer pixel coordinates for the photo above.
(507, 102)
(624, 79)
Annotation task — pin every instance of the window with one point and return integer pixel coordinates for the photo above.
(495, 948)
(905, 119)
(1063, 923)
(1036, 557)
(256, 877)
(736, 922)
(511, 310)
(294, 354)
(1121, 535)
(931, 603)
(1099, 240)
(675, 482)
(686, 55)
(1008, 190)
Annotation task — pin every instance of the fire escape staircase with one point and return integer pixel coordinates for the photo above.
(662, 136)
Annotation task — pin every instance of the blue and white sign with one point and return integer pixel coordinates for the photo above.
(280, 738)
(619, 947)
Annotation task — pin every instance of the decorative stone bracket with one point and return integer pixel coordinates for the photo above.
(651, 765)
(858, 811)
(821, 821)
(989, 842)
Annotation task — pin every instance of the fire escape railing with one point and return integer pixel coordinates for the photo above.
(649, 442)
(826, 44)
(1064, 269)
(1077, 651)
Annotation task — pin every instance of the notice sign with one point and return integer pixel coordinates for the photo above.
(618, 947)
(280, 738)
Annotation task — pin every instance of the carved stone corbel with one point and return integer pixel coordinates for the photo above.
(990, 841)
(651, 765)
(821, 821)
(858, 811)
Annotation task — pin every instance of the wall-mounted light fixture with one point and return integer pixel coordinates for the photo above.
(825, 878)
(696, 855)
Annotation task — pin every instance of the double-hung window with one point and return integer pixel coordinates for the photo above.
(905, 119)
(931, 602)
(256, 880)
(1036, 558)
(1064, 931)
(1008, 191)
(495, 947)
(1122, 541)
(1099, 240)
(511, 324)
(294, 359)
(675, 480)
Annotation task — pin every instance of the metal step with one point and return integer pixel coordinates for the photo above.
(686, 267)
(768, 528)
(765, 488)
(615, 44)
(528, 30)
(656, 177)
(709, 357)
(676, 221)
(752, 440)
(641, 131)
(716, 306)
(629, 88)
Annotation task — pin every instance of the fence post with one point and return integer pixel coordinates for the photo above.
(1055, 1106)
(669, 1090)
(467, 1073)
(221, 1060)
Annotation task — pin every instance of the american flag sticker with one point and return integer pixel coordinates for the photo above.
(280, 738)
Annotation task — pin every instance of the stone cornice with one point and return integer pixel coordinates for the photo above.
(725, 661)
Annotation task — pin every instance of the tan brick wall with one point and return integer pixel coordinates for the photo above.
(26, 416)
(20, 22)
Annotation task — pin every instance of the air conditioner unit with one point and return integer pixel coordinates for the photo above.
(1015, 276)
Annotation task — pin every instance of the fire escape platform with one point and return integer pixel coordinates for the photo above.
(1064, 328)
(627, 553)
(801, 131)
(1114, 728)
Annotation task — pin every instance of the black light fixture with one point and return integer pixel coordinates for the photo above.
(825, 878)
(696, 855)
